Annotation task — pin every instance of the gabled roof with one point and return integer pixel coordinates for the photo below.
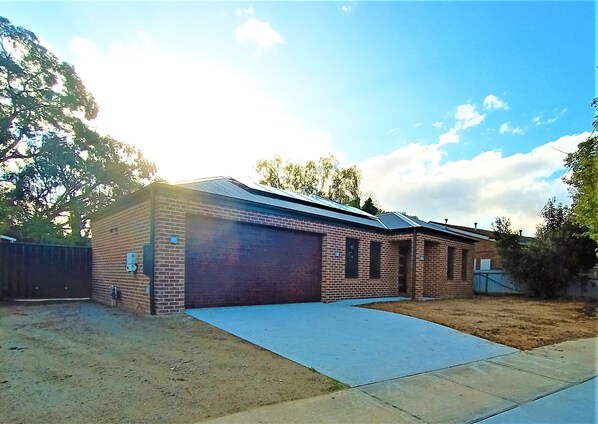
(283, 199)
(399, 221)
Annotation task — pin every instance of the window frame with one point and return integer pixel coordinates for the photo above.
(375, 259)
(351, 257)
(450, 263)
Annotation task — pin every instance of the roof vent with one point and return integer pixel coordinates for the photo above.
(475, 225)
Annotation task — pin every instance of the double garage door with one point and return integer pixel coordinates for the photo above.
(231, 263)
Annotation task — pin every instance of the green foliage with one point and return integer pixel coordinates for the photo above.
(370, 207)
(583, 182)
(38, 94)
(556, 257)
(323, 178)
(54, 169)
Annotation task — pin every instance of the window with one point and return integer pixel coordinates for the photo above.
(450, 265)
(464, 263)
(351, 258)
(375, 250)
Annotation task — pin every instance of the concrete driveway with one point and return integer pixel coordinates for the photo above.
(354, 345)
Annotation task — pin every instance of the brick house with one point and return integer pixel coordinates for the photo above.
(219, 242)
(485, 255)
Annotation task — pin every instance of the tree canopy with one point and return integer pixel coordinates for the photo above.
(38, 94)
(324, 178)
(583, 181)
(556, 256)
(55, 169)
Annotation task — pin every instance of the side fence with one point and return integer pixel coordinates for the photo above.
(38, 271)
(497, 282)
(493, 282)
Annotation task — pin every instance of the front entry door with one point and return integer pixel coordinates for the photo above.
(403, 261)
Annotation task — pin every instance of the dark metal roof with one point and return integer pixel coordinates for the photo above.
(283, 199)
(474, 232)
(399, 221)
(480, 233)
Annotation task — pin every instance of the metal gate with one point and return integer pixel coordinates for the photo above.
(39, 271)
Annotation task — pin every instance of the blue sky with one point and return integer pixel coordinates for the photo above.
(453, 110)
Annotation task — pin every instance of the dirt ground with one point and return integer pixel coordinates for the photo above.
(518, 322)
(83, 362)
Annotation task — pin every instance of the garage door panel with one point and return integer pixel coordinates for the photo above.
(231, 263)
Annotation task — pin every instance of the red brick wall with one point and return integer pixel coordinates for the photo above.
(437, 283)
(486, 249)
(114, 236)
(435, 258)
(132, 224)
(169, 282)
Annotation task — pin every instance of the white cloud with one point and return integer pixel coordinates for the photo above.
(451, 136)
(540, 120)
(506, 128)
(348, 8)
(392, 130)
(414, 178)
(192, 117)
(260, 33)
(467, 117)
(438, 124)
(417, 125)
(493, 102)
(248, 11)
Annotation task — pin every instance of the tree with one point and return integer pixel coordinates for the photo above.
(323, 178)
(56, 191)
(370, 207)
(38, 94)
(583, 182)
(55, 170)
(556, 256)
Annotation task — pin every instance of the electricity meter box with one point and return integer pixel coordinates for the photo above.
(131, 262)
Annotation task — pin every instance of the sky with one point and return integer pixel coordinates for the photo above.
(451, 110)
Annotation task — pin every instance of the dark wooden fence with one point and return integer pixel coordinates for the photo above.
(38, 271)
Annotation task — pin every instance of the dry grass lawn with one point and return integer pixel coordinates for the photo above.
(518, 322)
(85, 363)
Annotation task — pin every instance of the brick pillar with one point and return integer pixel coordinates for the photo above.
(419, 267)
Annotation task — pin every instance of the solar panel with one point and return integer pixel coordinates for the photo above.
(321, 201)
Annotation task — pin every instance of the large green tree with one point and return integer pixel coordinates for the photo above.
(558, 254)
(55, 169)
(324, 178)
(583, 181)
(38, 94)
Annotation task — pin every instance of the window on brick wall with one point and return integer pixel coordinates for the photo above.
(464, 263)
(375, 253)
(450, 264)
(351, 258)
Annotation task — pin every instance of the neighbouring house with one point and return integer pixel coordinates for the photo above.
(485, 256)
(220, 242)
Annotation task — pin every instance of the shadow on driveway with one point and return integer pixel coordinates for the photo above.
(353, 345)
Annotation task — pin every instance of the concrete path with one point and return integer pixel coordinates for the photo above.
(354, 345)
(555, 384)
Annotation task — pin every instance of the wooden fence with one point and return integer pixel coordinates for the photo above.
(38, 271)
